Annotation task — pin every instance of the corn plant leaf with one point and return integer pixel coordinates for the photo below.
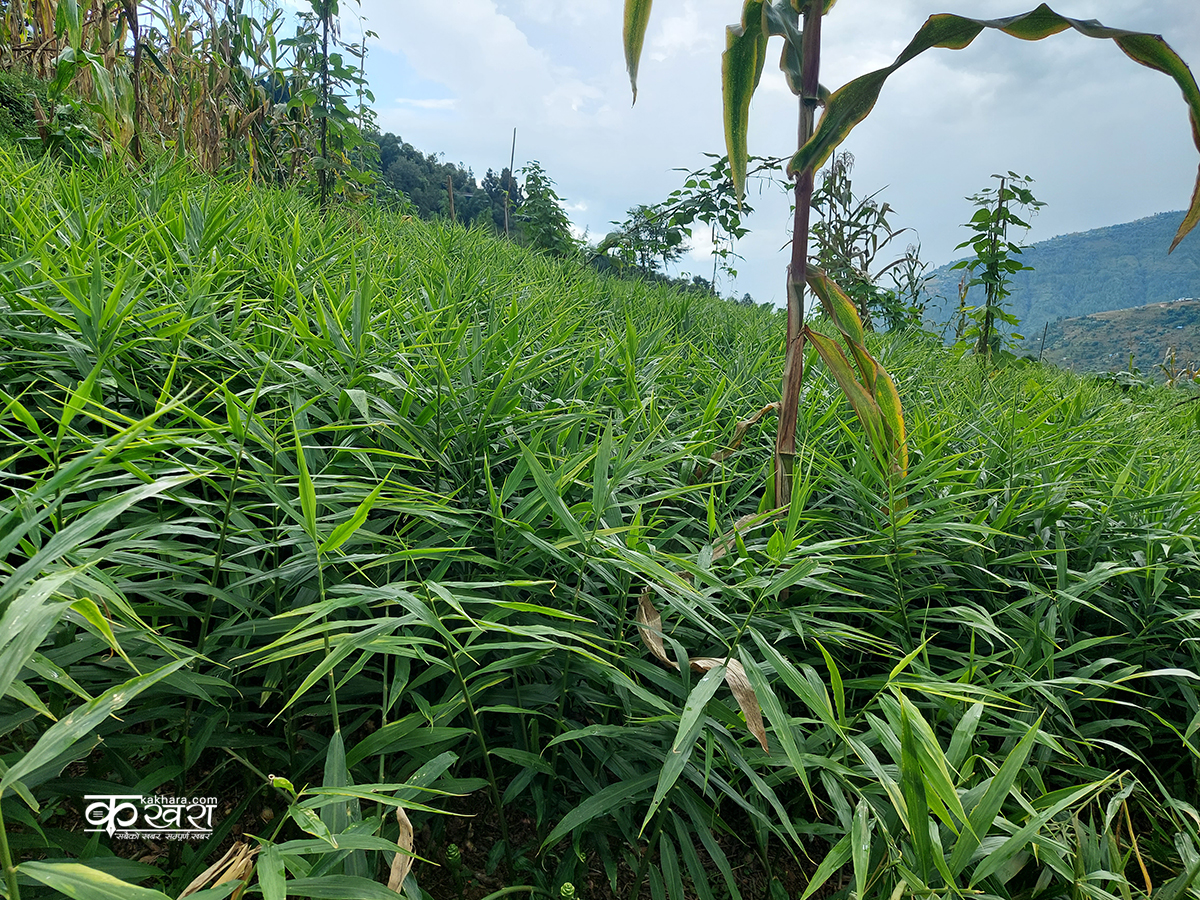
(841, 310)
(853, 102)
(62, 734)
(741, 70)
(887, 398)
(861, 401)
(637, 18)
(783, 21)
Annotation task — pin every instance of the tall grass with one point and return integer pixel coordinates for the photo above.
(338, 516)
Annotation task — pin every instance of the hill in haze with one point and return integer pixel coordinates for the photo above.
(1074, 275)
(1106, 341)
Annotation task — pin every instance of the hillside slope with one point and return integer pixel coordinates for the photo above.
(1117, 267)
(1105, 341)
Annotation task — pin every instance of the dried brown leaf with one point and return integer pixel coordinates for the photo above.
(649, 623)
(401, 862)
(735, 677)
(235, 865)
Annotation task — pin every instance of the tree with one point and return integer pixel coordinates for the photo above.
(995, 260)
(646, 237)
(868, 387)
(544, 224)
(499, 189)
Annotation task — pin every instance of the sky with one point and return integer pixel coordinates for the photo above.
(1104, 139)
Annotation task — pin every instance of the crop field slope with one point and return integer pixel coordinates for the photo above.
(371, 528)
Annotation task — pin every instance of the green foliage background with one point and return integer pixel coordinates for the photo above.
(391, 492)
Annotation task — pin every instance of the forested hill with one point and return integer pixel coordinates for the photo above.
(1118, 267)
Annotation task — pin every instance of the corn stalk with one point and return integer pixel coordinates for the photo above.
(869, 388)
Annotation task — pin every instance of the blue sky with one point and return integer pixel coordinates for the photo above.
(1105, 140)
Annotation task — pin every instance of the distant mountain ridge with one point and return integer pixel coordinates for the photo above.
(1080, 274)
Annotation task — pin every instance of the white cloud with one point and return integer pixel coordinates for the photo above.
(1106, 140)
(686, 32)
(447, 103)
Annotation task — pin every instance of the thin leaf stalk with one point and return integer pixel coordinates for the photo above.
(493, 784)
(10, 871)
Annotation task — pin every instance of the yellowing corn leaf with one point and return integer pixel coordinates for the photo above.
(637, 17)
(401, 863)
(851, 103)
(873, 395)
(741, 70)
(860, 399)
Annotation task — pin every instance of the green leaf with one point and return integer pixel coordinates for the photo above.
(776, 716)
(637, 17)
(308, 495)
(834, 860)
(741, 70)
(60, 736)
(981, 818)
(860, 848)
(270, 874)
(1020, 839)
(343, 532)
(853, 102)
(81, 882)
(615, 795)
(690, 724)
(912, 786)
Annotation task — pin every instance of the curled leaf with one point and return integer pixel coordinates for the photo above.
(739, 684)
(235, 865)
(649, 624)
(851, 103)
